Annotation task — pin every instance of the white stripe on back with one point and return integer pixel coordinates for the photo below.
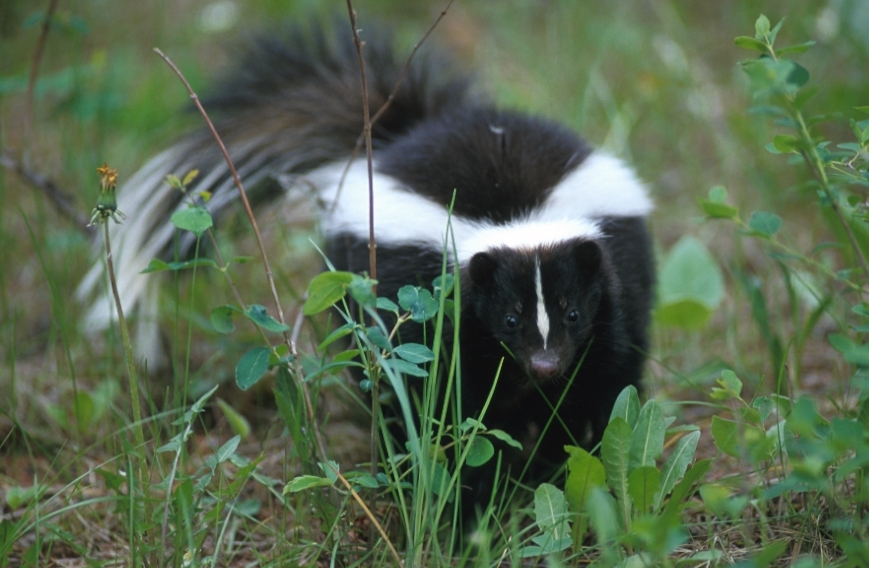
(601, 186)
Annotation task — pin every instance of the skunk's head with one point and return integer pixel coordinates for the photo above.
(540, 302)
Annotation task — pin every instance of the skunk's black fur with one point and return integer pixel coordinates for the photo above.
(551, 236)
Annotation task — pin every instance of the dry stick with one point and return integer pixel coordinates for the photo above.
(383, 108)
(404, 69)
(372, 244)
(61, 201)
(64, 204)
(368, 512)
(366, 135)
(31, 80)
(303, 387)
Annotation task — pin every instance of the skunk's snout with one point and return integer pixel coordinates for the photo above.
(545, 365)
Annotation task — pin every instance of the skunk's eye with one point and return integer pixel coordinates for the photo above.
(511, 321)
(573, 316)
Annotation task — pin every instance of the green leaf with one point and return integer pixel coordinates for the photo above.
(627, 406)
(237, 422)
(227, 449)
(647, 442)
(550, 512)
(337, 334)
(765, 223)
(8, 536)
(715, 497)
(157, 265)
(378, 338)
(798, 76)
(761, 27)
(584, 472)
(725, 434)
(419, 302)
(191, 175)
(306, 482)
(730, 386)
(601, 509)
(183, 499)
(690, 280)
(405, 368)
(325, 290)
(764, 406)
(362, 290)
(718, 210)
(853, 353)
(746, 42)
(505, 437)
(83, 405)
(387, 305)
(440, 481)
(414, 353)
(770, 77)
(443, 285)
(550, 508)
(683, 489)
(196, 219)
(642, 486)
(366, 481)
(774, 33)
(718, 194)
(252, 366)
(786, 144)
(221, 319)
(480, 451)
(331, 468)
(798, 48)
(676, 465)
(259, 315)
(685, 314)
(18, 497)
(615, 453)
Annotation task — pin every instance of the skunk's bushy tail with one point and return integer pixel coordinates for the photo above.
(292, 102)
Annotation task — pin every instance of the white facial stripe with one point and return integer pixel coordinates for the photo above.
(542, 316)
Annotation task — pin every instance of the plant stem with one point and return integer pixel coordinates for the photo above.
(133, 379)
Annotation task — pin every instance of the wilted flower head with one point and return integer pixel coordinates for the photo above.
(107, 205)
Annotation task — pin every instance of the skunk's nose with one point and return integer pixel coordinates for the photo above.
(545, 365)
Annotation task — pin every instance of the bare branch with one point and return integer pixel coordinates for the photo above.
(61, 200)
(31, 80)
(318, 438)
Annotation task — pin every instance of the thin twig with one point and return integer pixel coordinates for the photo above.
(64, 204)
(372, 243)
(31, 79)
(368, 512)
(270, 277)
(383, 108)
(404, 69)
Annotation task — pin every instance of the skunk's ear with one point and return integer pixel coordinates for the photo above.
(482, 269)
(588, 256)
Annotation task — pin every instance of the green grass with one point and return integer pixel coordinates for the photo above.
(656, 82)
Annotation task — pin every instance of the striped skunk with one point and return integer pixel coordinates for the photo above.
(551, 238)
